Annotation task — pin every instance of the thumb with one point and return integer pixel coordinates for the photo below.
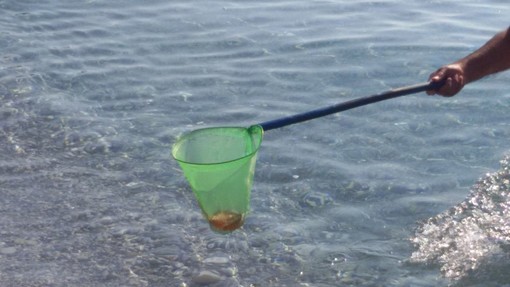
(438, 75)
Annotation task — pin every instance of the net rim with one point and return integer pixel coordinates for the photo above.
(251, 154)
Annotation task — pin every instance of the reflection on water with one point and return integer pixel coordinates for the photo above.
(94, 93)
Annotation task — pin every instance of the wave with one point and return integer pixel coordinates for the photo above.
(470, 242)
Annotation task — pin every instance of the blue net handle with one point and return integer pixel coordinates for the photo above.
(297, 118)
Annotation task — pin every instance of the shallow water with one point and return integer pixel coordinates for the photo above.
(94, 94)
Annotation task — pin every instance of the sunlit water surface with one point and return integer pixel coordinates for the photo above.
(94, 93)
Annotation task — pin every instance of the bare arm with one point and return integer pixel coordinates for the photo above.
(493, 57)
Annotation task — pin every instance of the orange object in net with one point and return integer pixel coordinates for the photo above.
(226, 221)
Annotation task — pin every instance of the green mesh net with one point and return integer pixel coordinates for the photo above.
(219, 164)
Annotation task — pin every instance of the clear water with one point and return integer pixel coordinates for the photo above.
(94, 93)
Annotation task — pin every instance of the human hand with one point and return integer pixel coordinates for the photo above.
(453, 77)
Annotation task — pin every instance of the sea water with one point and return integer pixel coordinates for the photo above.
(94, 93)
